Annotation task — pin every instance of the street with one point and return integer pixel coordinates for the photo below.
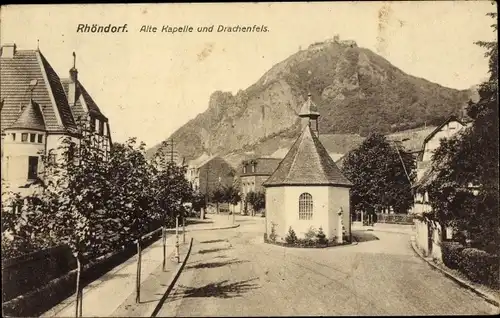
(233, 273)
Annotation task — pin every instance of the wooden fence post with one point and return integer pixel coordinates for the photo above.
(164, 238)
(78, 269)
(138, 277)
(184, 229)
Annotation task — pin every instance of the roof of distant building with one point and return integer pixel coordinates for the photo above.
(307, 163)
(264, 166)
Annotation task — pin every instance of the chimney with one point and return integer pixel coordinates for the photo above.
(8, 50)
(73, 76)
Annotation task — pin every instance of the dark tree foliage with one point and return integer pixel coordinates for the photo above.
(93, 200)
(464, 190)
(382, 173)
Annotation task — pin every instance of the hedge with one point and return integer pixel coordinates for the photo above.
(308, 243)
(452, 254)
(480, 266)
(41, 299)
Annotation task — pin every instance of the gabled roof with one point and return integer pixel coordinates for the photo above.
(264, 166)
(31, 118)
(201, 160)
(307, 163)
(16, 73)
(435, 131)
(84, 103)
(438, 128)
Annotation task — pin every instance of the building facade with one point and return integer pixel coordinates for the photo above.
(253, 173)
(207, 173)
(307, 190)
(38, 111)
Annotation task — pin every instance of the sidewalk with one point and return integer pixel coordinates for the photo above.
(382, 227)
(105, 296)
(480, 290)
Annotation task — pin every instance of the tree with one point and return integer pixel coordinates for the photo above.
(464, 189)
(198, 201)
(231, 194)
(382, 173)
(131, 199)
(171, 188)
(217, 197)
(257, 201)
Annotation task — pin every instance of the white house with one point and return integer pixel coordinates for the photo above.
(39, 110)
(307, 189)
(428, 236)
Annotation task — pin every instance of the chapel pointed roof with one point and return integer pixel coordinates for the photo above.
(307, 163)
(309, 108)
(31, 118)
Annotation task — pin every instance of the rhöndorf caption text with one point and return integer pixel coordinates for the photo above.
(171, 29)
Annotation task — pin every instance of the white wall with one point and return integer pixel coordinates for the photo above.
(16, 154)
(338, 198)
(275, 212)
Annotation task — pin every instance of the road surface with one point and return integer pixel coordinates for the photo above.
(233, 273)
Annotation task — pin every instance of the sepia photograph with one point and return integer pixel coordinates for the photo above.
(250, 159)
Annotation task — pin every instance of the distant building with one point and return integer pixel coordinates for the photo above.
(206, 173)
(307, 189)
(38, 110)
(424, 157)
(254, 172)
(429, 234)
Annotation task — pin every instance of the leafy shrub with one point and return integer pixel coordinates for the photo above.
(321, 237)
(272, 235)
(480, 266)
(291, 237)
(309, 237)
(452, 254)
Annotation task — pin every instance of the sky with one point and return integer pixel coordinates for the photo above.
(150, 84)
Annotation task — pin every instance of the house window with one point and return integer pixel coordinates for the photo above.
(92, 124)
(101, 127)
(253, 168)
(40, 139)
(32, 167)
(14, 137)
(244, 169)
(24, 137)
(305, 206)
(32, 137)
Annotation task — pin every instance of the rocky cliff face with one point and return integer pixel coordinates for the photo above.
(356, 90)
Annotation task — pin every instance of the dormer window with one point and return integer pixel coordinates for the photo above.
(253, 168)
(245, 169)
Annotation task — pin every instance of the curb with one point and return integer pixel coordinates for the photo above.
(213, 228)
(454, 278)
(171, 284)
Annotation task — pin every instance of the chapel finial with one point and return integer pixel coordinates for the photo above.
(74, 59)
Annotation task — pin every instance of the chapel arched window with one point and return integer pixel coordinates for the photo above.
(305, 206)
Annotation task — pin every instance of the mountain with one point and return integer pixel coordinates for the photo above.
(356, 90)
